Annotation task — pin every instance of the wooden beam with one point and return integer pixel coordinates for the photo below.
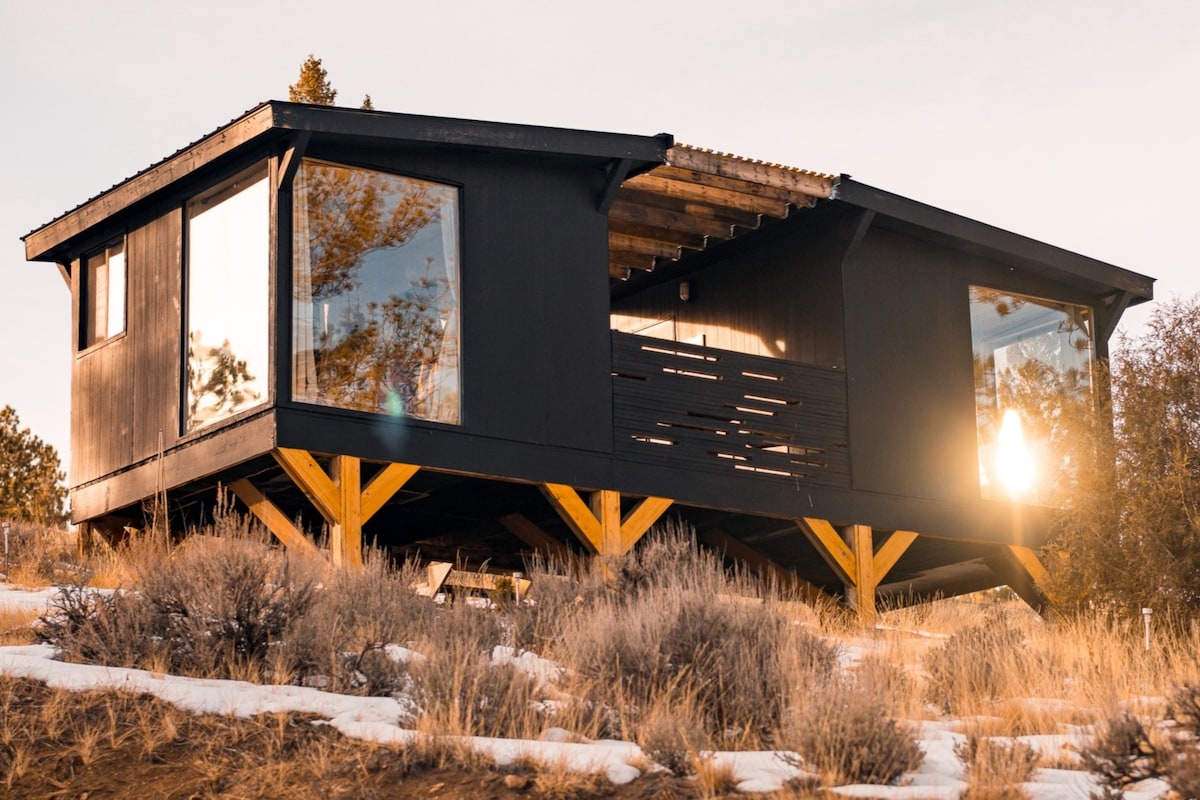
(831, 547)
(657, 233)
(639, 519)
(684, 190)
(890, 551)
(606, 507)
(524, 529)
(625, 260)
(696, 207)
(862, 594)
(798, 199)
(622, 242)
(751, 171)
(383, 487)
(1028, 559)
(575, 512)
(270, 515)
(626, 211)
(345, 532)
(307, 474)
(436, 574)
(788, 581)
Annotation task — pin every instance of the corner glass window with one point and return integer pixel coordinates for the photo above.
(228, 296)
(375, 287)
(1033, 388)
(104, 295)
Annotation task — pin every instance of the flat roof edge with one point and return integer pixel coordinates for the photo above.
(998, 241)
(45, 243)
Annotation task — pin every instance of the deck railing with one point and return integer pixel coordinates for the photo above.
(717, 410)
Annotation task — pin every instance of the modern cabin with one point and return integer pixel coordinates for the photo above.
(476, 340)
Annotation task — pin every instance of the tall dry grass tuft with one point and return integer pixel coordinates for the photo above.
(671, 620)
(846, 733)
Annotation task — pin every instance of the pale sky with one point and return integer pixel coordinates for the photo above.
(1075, 123)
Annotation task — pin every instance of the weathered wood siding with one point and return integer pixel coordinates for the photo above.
(126, 389)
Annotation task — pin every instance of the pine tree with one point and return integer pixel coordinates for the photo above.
(30, 479)
(313, 85)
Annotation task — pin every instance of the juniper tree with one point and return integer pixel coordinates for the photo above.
(30, 478)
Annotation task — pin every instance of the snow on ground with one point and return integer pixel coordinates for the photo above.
(384, 720)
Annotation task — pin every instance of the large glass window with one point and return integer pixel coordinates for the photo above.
(375, 278)
(1033, 391)
(104, 295)
(228, 296)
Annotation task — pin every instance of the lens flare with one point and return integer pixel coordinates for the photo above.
(1013, 460)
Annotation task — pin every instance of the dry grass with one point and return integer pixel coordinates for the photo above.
(665, 648)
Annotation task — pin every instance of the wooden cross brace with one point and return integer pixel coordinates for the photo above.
(858, 565)
(338, 496)
(599, 525)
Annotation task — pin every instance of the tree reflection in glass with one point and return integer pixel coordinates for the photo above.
(1033, 358)
(375, 277)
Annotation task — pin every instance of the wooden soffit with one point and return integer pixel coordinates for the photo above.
(699, 198)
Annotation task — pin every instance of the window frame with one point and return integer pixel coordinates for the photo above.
(88, 307)
(288, 394)
(213, 194)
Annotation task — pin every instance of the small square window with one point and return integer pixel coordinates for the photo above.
(104, 295)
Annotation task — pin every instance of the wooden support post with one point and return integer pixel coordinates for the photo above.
(1023, 572)
(606, 507)
(599, 524)
(861, 595)
(345, 531)
(339, 497)
(855, 561)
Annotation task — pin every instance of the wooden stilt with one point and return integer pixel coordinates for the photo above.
(606, 507)
(339, 497)
(1023, 572)
(345, 531)
(599, 525)
(855, 561)
(861, 595)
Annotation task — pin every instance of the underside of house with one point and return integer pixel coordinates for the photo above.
(476, 342)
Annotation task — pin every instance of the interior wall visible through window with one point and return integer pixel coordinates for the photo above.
(228, 295)
(1034, 394)
(104, 295)
(375, 286)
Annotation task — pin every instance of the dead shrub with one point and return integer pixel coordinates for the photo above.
(663, 625)
(212, 607)
(977, 663)
(844, 733)
(1121, 752)
(995, 767)
(344, 640)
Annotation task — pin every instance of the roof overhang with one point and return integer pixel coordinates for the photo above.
(276, 120)
(1089, 275)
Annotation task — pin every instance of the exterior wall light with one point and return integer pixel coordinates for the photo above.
(685, 291)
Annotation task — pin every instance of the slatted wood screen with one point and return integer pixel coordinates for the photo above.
(697, 407)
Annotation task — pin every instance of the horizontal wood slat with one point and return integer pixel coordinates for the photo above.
(686, 405)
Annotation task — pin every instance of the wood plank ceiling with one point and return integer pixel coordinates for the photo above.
(698, 198)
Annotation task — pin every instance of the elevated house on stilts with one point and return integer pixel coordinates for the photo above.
(478, 340)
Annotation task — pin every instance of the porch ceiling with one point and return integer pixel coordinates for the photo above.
(699, 198)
